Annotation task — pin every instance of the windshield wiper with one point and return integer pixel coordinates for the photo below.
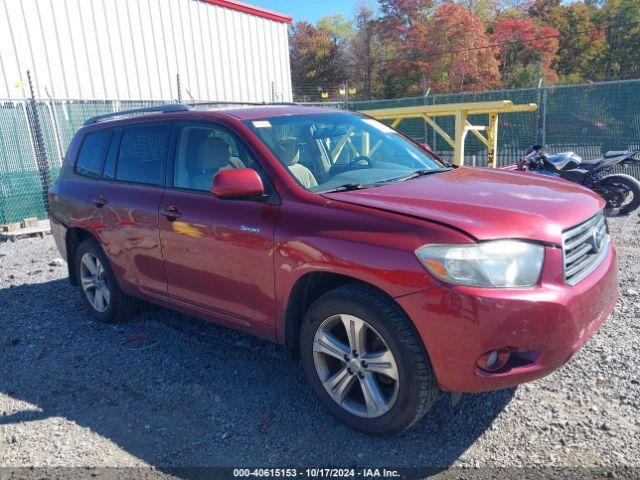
(424, 172)
(348, 186)
(360, 186)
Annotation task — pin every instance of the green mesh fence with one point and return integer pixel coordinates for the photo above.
(21, 193)
(588, 119)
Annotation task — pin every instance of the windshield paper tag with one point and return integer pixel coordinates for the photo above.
(262, 124)
(379, 125)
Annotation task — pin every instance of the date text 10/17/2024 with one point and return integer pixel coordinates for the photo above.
(316, 472)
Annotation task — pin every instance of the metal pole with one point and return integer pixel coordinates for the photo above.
(179, 88)
(54, 122)
(539, 99)
(38, 145)
(545, 99)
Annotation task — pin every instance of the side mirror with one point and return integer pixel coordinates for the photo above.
(237, 183)
(427, 148)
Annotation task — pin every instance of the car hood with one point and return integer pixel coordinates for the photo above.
(485, 203)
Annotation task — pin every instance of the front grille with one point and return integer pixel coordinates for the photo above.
(584, 247)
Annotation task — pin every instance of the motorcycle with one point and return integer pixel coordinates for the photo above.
(621, 192)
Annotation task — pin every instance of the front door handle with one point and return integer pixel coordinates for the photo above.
(171, 213)
(99, 202)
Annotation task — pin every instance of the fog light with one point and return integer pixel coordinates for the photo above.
(494, 360)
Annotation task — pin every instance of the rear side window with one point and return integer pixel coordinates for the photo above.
(142, 150)
(94, 147)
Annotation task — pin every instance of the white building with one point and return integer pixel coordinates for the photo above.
(135, 50)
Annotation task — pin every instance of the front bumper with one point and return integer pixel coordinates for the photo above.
(549, 322)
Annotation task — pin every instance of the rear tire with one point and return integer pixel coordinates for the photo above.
(389, 384)
(631, 185)
(98, 286)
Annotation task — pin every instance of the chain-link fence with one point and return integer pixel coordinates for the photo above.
(34, 137)
(588, 119)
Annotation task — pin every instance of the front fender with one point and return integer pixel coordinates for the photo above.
(371, 246)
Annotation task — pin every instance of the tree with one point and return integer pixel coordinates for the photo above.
(398, 16)
(367, 49)
(457, 55)
(620, 19)
(582, 43)
(315, 59)
(401, 20)
(337, 26)
(342, 32)
(544, 10)
(458, 45)
(485, 10)
(527, 51)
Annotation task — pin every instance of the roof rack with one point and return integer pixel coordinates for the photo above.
(173, 107)
(229, 102)
(177, 107)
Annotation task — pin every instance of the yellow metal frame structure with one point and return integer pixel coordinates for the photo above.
(461, 112)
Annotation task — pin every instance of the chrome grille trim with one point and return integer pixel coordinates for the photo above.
(579, 253)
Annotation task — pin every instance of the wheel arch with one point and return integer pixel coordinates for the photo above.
(74, 237)
(307, 289)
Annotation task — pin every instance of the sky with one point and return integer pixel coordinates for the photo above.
(310, 10)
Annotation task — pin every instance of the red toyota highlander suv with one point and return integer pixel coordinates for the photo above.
(390, 274)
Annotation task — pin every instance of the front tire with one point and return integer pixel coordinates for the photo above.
(365, 361)
(98, 287)
(626, 194)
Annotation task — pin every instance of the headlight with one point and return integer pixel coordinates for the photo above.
(500, 263)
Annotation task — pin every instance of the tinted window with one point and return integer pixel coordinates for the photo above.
(141, 152)
(202, 152)
(92, 153)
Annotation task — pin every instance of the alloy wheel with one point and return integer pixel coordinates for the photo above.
(356, 366)
(94, 282)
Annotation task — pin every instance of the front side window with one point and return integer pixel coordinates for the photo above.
(92, 153)
(204, 150)
(329, 151)
(142, 149)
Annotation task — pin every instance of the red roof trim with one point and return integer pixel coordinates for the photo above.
(257, 11)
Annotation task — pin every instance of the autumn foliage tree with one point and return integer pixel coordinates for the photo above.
(400, 27)
(583, 42)
(315, 58)
(457, 55)
(527, 51)
(432, 48)
(400, 16)
(406, 47)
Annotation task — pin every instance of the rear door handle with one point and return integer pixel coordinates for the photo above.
(100, 201)
(171, 213)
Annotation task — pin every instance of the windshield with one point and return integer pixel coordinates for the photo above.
(328, 151)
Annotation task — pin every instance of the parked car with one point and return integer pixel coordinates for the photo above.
(390, 275)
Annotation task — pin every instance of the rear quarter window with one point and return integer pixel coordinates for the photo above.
(92, 152)
(142, 150)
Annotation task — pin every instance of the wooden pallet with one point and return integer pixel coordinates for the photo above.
(43, 228)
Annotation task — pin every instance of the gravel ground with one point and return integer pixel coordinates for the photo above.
(169, 391)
